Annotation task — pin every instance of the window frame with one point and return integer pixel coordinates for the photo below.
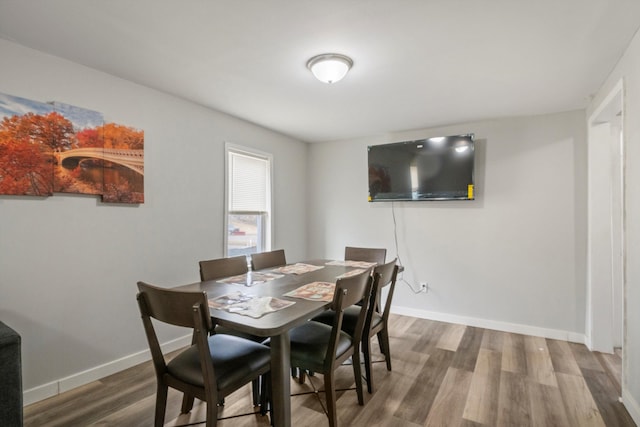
(268, 222)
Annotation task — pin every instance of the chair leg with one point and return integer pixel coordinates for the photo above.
(380, 342)
(187, 403)
(301, 374)
(383, 339)
(255, 390)
(161, 404)
(266, 401)
(357, 373)
(212, 414)
(297, 373)
(366, 344)
(330, 395)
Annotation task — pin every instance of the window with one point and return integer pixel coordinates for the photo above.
(248, 201)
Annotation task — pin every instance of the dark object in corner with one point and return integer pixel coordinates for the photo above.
(11, 374)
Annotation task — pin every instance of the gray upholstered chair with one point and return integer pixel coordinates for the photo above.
(214, 367)
(11, 377)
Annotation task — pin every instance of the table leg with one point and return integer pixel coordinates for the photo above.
(281, 377)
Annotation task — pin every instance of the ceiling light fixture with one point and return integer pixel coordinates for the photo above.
(329, 67)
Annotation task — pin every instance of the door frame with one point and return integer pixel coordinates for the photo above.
(605, 263)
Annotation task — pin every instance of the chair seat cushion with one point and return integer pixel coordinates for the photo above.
(349, 318)
(234, 359)
(309, 343)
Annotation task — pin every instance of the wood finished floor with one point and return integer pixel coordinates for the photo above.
(443, 375)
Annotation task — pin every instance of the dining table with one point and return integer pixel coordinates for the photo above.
(277, 324)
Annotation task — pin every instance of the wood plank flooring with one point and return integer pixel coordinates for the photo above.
(443, 375)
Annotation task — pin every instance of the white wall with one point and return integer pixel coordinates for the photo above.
(628, 69)
(69, 264)
(513, 259)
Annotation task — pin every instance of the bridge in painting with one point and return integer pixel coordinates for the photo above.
(132, 159)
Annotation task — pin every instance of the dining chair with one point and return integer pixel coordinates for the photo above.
(376, 322)
(212, 368)
(226, 267)
(263, 260)
(322, 348)
(376, 255)
(223, 267)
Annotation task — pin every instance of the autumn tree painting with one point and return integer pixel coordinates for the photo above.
(27, 143)
(47, 148)
(74, 174)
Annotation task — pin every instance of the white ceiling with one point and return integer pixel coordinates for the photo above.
(417, 63)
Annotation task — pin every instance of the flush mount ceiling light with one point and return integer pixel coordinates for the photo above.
(329, 67)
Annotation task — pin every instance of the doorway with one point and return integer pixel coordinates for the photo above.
(605, 330)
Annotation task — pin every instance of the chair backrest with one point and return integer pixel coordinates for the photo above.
(348, 291)
(180, 308)
(172, 306)
(387, 277)
(268, 259)
(377, 255)
(223, 267)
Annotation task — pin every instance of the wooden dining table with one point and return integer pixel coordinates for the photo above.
(275, 325)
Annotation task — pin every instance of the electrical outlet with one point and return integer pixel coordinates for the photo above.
(424, 287)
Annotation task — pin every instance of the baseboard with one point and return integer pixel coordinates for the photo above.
(81, 378)
(632, 405)
(492, 324)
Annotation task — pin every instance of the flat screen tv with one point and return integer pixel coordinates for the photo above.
(426, 169)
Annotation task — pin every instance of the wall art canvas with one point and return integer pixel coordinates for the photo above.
(78, 166)
(56, 147)
(124, 164)
(30, 131)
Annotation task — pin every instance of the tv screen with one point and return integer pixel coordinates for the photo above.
(427, 169)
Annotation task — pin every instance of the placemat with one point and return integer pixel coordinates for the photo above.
(349, 263)
(248, 305)
(298, 268)
(314, 291)
(251, 278)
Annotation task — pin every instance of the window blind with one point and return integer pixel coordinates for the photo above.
(249, 181)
